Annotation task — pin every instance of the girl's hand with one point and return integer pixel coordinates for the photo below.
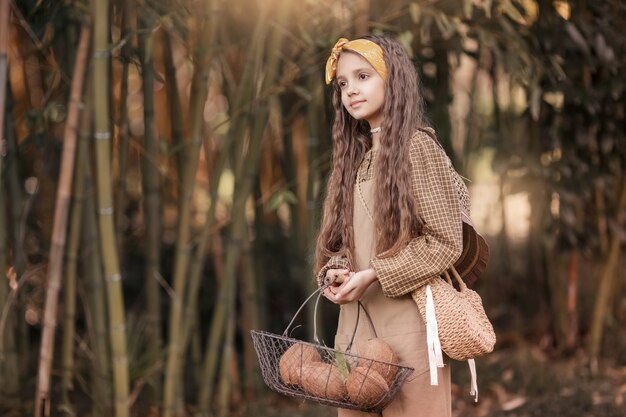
(336, 276)
(354, 287)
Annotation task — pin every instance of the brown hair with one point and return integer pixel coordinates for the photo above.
(395, 214)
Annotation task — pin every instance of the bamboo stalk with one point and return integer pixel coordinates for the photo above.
(212, 351)
(250, 320)
(128, 23)
(96, 305)
(227, 358)
(225, 310)
(606, 284)
(216, 332)
(315, 118)
(197, 262)
(245, 173)
(572, 297)
(152, 206)
(5, 14)
(59, 232)
(113, 278)
(248, 169)
(18, 207)
(16, 197)
(9, 358)
(199, 89)
(173, 98)
(73, 245)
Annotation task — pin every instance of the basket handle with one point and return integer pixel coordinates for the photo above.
(319, 293)
(356, 325)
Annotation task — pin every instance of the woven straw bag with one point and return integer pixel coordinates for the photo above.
(464, 330)
(456, 323)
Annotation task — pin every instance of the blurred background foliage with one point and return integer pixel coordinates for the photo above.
(163, 165)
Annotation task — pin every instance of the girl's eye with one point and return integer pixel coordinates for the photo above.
(363, 76)
(342, 84)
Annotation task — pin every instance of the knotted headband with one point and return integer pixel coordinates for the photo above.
(369, 50)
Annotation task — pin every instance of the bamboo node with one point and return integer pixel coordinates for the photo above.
(114, 278)
(102, 135)
(119, 328)
(101, 54)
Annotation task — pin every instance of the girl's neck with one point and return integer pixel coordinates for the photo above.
(375, 129)
(375, 141)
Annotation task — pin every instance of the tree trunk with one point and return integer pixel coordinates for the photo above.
(59, 232)
(112, 275)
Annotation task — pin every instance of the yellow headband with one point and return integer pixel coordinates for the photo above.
(369, 50)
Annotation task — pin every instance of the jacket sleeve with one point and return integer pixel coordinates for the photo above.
(335, 262)
(440, 244)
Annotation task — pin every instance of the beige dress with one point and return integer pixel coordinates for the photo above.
(396, 320)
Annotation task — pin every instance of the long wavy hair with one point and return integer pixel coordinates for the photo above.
(395, 215)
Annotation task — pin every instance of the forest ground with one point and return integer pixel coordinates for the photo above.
(519, 381)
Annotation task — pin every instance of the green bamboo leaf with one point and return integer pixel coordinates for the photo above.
(406, 39)
(342, 364)
(284, 196)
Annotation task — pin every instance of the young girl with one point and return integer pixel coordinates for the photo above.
(392, 219)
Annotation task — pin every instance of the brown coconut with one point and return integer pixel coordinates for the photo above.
(379, 350)
(292, 361)
(323, 380)
(366, 387)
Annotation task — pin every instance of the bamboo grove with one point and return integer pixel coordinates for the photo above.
(163, 164)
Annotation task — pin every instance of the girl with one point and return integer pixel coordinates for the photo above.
(392, 218)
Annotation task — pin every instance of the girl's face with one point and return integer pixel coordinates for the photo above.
(362, 88)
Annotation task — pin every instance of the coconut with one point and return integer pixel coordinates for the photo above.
(323, 380)
(365, 386)
(292, 361)
(379, 350)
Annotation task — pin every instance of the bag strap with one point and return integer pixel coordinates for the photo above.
(435, 359)
(457, 277)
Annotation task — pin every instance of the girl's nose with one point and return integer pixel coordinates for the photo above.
(352, 90)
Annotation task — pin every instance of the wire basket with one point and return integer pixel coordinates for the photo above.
(328, 376)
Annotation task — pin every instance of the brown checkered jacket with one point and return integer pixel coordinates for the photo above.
(442, 200)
